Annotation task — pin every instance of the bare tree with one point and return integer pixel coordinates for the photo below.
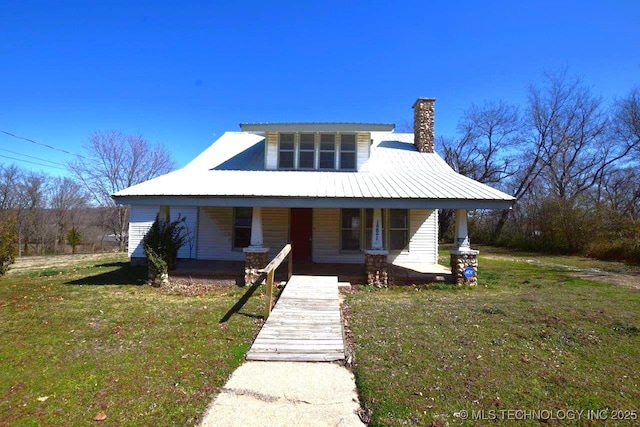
(627, 121)
(114, 162)
(32, 200)
(484, 150)
(66, 200)
(10, 176)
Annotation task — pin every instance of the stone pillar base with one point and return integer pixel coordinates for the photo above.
(376, 268)
(256, 258)
(464, 266)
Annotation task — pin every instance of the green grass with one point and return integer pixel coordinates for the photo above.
(79, 340)
(530, 337)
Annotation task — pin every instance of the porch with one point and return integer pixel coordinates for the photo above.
(233, 271)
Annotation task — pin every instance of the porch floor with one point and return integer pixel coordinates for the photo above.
(401, 273)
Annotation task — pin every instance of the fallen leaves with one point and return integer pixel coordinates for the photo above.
(100, 416)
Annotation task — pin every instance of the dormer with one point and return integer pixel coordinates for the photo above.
(316, 146)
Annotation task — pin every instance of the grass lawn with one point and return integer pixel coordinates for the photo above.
(88, 339)
(531, 337)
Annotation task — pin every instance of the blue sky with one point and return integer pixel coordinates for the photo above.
(183, 73)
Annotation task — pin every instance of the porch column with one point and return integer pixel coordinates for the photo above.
(377, 230)
(164, 214)
(375, 259)
(464, 260)
(256, 256)
(256, 228)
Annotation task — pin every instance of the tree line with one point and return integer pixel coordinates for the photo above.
(569, 156)
(41, 214)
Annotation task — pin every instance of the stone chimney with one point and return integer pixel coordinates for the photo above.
(423, 124)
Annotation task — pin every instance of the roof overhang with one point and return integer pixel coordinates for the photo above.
(306, 202)
(317, 127)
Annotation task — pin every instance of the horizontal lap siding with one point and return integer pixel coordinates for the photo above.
(363, 142)
(271, 154)
(140, 220)
(190, 213)
(326, 239)
(275, 229)
(423, 235)
(215, 234)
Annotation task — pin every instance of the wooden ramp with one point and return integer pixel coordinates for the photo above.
(305, 324)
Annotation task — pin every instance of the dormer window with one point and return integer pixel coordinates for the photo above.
(307, 151)
(286, 150)
(327, 151)
(348, 151)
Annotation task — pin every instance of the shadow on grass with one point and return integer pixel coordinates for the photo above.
(123, 274)
(241, 302)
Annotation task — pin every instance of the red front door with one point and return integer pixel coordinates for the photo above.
(300, 232)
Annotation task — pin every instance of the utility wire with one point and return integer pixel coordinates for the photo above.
(34, 163)
(32, 157)
(40, 143)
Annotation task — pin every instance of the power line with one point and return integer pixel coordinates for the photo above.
(32, 157)
(40, 143)
(34, 163)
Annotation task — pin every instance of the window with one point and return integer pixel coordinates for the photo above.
(327, 151)
(348, 152)
(398, 229)
(242, 227)
(350, 230)
(285, 151)
(307, 151)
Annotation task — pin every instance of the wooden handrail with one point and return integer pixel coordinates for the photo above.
(270, 270)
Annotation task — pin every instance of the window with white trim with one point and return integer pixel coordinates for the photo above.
(286, 151)
(242, 227)
(350, 230)
(307, 151)
(398, 229)
(327, 151)
(348, 151)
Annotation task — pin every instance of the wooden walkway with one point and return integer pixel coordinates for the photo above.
(305, 324)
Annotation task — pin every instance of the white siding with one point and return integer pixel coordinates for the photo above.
(275, 229)
(215, 234)
(423, 238)
(271, 153)
(364, 140)
(190, 213)
(326, 239)
(140, 220)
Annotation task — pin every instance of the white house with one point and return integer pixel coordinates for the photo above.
(339, 192)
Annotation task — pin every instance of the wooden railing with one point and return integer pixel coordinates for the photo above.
(270, 271)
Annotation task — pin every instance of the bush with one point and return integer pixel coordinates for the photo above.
(8, 238)
(74, 238)
(616, 250)
(165, 239)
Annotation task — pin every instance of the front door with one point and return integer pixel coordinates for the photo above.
(300, 232)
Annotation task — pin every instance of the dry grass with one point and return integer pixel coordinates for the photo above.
(88, 338)
(532, 338)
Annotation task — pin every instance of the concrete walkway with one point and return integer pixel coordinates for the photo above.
(292, 393)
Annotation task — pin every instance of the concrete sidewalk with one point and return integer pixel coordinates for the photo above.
(286, 394)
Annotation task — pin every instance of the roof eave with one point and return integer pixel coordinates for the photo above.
(311, 202)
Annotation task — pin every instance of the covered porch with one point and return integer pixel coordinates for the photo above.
(232, 272)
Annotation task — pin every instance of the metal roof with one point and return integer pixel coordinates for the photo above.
(317, 127)
(395, 175)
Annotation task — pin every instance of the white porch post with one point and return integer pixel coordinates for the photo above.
(163, 215)
(256, 255)
(464, 260)
(256, 228)
(377, 230)
(462, 233)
